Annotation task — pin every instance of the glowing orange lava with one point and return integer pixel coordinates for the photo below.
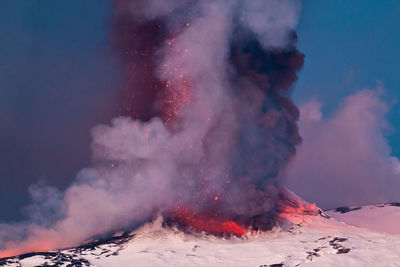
(214, 225)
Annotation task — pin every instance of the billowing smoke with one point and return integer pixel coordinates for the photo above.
(345, 158)
(225, 72)
(207, 124)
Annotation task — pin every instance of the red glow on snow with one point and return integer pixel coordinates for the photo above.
(294, 210)
(299, 208)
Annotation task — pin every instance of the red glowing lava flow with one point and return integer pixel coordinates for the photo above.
(205, 223)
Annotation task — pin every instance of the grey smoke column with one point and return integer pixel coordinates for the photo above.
(241, 60)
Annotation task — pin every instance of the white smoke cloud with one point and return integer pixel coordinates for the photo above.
(133, 177)
(345, 158)
(271, 20)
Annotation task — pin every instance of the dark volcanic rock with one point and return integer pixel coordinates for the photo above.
(50, 259)
(73, 257)
(343, 251)
(336, 244)
(346, 209)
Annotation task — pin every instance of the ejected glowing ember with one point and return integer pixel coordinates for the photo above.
(220, 81)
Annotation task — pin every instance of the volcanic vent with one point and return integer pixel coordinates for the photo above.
(218, 75)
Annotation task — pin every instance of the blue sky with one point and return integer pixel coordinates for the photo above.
(350, 45)
(59, 78)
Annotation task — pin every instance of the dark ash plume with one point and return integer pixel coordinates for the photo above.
(268, 133)
(258, 80)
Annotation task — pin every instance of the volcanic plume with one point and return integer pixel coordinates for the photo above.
(210, 70)
(206, 126)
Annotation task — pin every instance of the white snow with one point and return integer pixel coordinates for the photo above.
(382, 218)
(316, 241)
(304, 246)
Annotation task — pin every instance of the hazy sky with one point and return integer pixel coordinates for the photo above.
(59, 78)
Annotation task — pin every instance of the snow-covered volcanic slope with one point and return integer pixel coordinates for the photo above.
(382, 217)
(310, 240)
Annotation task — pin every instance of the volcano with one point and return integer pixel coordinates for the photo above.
(213, 223)
(229, 101)
(205, 131)
(307, 237)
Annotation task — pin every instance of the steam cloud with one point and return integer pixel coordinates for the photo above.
(346, 154)
(206, 113)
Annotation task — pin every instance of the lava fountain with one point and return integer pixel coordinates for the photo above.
(218, 74)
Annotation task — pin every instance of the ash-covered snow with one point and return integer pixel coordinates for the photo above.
(309, 240)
